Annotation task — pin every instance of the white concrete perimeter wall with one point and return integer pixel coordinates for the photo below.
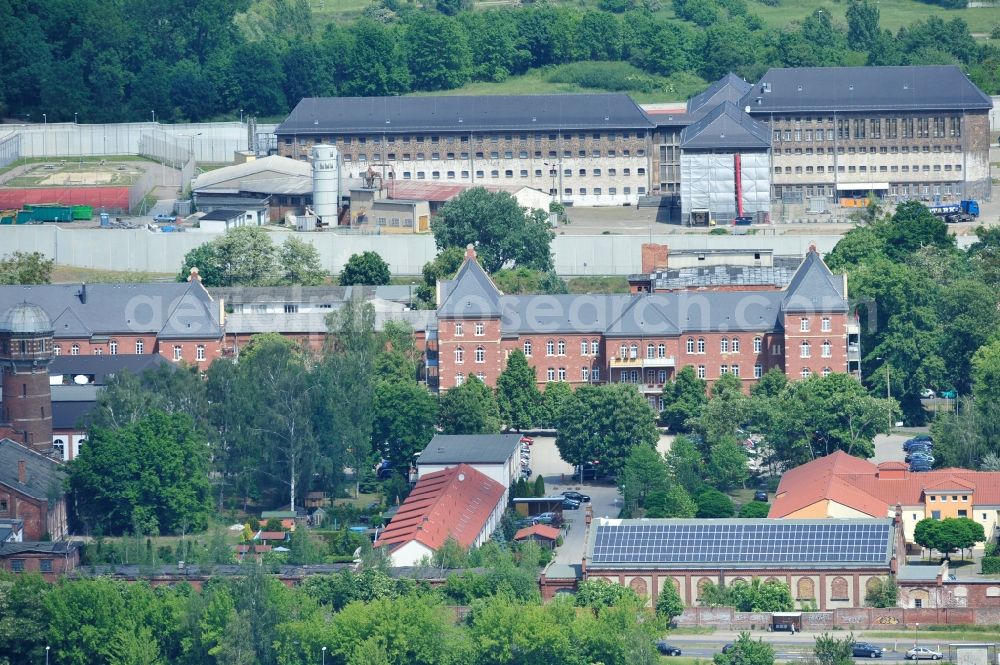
(144, 251)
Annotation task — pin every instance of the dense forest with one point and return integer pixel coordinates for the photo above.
(124, 60)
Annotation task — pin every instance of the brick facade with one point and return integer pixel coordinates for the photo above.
(199, 352)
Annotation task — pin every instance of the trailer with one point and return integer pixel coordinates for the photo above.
(964, 211)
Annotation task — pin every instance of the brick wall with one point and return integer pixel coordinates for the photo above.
(127, 345)
(31, 562)
(39, 521)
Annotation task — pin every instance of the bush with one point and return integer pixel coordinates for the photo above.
(991, 565)
(604, 75)
(757, 509)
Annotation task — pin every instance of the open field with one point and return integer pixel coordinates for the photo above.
(71, 275)
(69, 173)
(85, 163)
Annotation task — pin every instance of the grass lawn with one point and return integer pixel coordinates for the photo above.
(933, 634)
(894, 14)
(72, 274)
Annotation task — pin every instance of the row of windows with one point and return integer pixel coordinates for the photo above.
(725, 345)
(559, 374)
(805, 349)
(916, 189)
(140, 347)
(944, 498)
(464, 138)
(460, 378)
(523, 173)
(597, 191)
(824, 325)
(537, 154)
(905, 168)
(863, 150)
(480, 355)
(479, 328)
(44, 565)
(875, 128)
(407, 222)
(553, 347)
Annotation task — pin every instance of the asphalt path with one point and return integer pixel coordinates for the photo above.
(786, 647)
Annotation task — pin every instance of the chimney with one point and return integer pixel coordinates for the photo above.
(22, 472)
(193, 276)
(654, 257)
(470, 251)
(83, 293)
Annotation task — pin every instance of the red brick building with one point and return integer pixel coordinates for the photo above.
(804, 329)
(50, 559)
(31, 490)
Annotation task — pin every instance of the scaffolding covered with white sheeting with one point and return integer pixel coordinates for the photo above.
(708, 182)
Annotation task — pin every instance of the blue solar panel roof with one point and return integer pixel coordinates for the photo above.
(747, 543)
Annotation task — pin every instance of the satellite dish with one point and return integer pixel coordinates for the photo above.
(461, 477)
(746, 109)
(81, 379)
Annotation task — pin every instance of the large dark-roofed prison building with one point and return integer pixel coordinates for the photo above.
(585, 149)
(825, 563)
(904, 132)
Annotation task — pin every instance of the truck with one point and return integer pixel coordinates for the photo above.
(964, 211)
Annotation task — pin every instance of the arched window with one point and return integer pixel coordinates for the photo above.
(803, 324)
(56, 350)
(839, 589)
(873, 584)
(480, 354)
(805, 351)
(550, 348)
(757, 344)
(459, 355)
(827, 371)
(583, 347)
(690, 345)
(633, 351)
(113, 347)
(702, 584)
(805, 589)
(638, 585)
(805, 373)
(661, 351)
(701, 345)
(595, 347)
(199, 352)
(622, 352)
(550, 374)
(724, 345)
(827, 348)
(459, 379)
(527, 347)
(139, 347)
(562, 347)
(650, 350)
(736, 345)
(74, 350)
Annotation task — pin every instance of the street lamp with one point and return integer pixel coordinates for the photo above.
(324, 655)
(916, 627)
(154, 115)
(45, 119)
(74, 117)
(47, 654)
(888, 389)
(241, 116)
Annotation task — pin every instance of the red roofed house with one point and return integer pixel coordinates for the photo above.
(840, 485)
(540, 533)
(458, 503)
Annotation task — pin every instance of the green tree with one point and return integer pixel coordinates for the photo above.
(771, 383)
(600, 593)
(300, 263)
(986, 375)
(713, 504)
(247, 257)
(539, 485)
(528, 281)
(604, 423)
(862, 25)
(912, 227)
(502, 231)
(831, 651)
(25, 268)
(444, 266)
(206, 259)
(757, 596)
(675, 502)
(728, 464)
(366, 268)
(669, 604)
(405, 414)
(163, 487)
(645, 472)
(754, 510)
(882, 593)
(686, 463)
(470, 408)
(557, 397)
(23, 617)
(746, 652)
(438, 55)
(684, 400)
(517, 393)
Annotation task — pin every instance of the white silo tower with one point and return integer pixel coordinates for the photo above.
(326, 183)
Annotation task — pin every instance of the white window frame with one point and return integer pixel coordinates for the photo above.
(480, 355)
(459, 355)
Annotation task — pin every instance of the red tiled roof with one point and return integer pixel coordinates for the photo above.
(271, 535)
(893, 466)
(856, 483)
(540, 530)
(453, 503)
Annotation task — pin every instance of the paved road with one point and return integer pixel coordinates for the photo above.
(786, 647)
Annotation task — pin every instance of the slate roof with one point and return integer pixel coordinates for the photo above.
(725, 127)
(470, 449)
(859, 484)
(71, 415)
(237, 295)
(471, 293)
(814, 288)
(222, 215)
(105, 366)
(730, 88)
(704, 311)
(453, 503)
(42, 473)
(38, 547)
(463, 113)
(823, 89)
(168, 310)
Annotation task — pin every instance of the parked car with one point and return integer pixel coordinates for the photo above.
(570, 504)
(729, 647)
(525, 522)
(590, 471)
(866, 650)
(577, 496)
(910, 444)
(546, 518)
(528, 440)
(927, 393)
(922, 653)
(667, 649)
(164, 218)
(873, 646)
(760, 495)
(743, 220)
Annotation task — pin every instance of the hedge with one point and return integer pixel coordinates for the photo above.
(991, 565)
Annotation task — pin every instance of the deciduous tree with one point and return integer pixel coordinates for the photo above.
(366, 268)
(517, 393)
(470, 408)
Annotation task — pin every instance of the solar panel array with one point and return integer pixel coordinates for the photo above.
(749, 542)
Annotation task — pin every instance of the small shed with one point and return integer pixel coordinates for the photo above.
(543, 534)
(286, 517)
(529, 506)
